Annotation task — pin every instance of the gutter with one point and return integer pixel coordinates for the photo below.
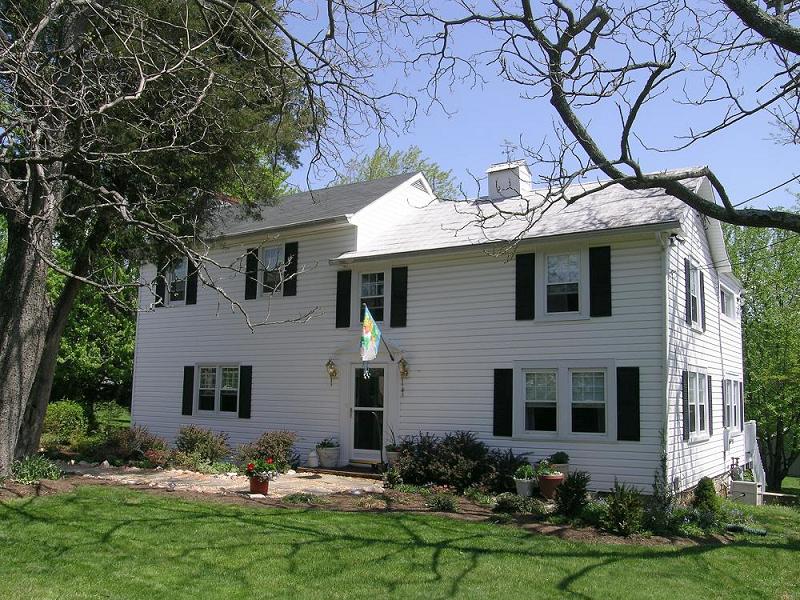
(524, 243)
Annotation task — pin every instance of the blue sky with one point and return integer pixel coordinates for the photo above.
(482, 118)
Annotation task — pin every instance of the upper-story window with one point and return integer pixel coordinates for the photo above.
(563, 282)
(273, 269)
(372, 294)
(698, 405)
(727, 302)
(176, 280)
(694, 294)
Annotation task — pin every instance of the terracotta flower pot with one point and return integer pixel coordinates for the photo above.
(259, 486)
(549, 483)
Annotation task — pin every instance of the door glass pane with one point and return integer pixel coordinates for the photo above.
(368, 431)
(369, 392)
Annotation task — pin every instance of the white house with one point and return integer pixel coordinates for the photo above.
(611, 331)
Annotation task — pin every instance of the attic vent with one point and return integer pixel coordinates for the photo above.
(419, 185)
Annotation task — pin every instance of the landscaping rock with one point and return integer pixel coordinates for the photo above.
(105, 464)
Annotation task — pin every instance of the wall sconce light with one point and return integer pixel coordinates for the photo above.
(402, 366)
(330, 367)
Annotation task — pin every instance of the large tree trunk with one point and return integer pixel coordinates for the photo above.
(24, 314)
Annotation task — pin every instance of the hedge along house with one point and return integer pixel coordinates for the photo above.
(611, 332)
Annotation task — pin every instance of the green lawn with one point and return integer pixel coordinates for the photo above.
(791, 485)
(107, 542)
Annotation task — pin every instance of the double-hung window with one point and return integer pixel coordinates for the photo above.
(698, 405)
(732, 402)
(694, 294)
(372, 294)
(726, 302)
(273, 269)
(588, 401)
(541, 400)
(218, 389)
(563, 275)
(176, 280)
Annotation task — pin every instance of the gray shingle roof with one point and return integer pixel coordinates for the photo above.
(308, 207)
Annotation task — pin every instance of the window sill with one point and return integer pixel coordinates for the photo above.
(212, 414)
(547, 317)
(589, 438)
(696, 327)
(699, 439)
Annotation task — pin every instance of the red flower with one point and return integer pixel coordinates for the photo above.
(250, 466)
(269, 461)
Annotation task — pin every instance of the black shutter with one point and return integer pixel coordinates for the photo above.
(600, 281)
(526, 274)
(710, 407)
(191, 282)
(399, 296)
(245, 389)
(343, 279)
(725, 422)
(161, 286)
(687, 269)
(702, 301)
(741, 407)
(628, 419)
(251, 274)
(290, 272)
(685, 397)
(188, 390)
(503, 401)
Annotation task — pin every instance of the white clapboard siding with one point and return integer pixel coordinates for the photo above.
(718, 350)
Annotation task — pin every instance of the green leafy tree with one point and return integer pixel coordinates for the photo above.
(384, 163)
(768, 263)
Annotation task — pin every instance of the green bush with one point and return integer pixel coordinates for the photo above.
(392, 478)
(442, 503)
(625, 510)
(512, 503)
(705, 497)
(458, 459)
(477, 495)
(210, 446)
(124, 445)
(277, 445)
(64, 422)
(559, 458)
(33, 469)
(156, 458)
(571, 495)
(595, 513)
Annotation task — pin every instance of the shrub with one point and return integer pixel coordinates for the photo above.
(278, 445)
(156, 458)
(625, 509)
(571, 495)
(189, 461)
(512, 503)
(478, 496)
(595, 513)
(559, 458)
(392, 478)
(458, 459)
(33, 469)
(209, 445)
(659, 513)
(442, 503)
(64, 422)
(705, 497)
(123, 445)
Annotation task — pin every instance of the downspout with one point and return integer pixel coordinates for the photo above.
(665, 239)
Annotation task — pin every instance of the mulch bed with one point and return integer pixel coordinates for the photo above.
(389, 501)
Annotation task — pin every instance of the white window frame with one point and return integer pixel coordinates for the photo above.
(605, 399)
(525, 401)
(698, 398)
(579, 282)
(169, 278)
(262, 270)
(540, 299)
(355, 315)
(216, 412)
(694, 294)
(723, 289)
(732, 401)
(564, 369)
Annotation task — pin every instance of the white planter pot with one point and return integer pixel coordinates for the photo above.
(392, 457)
(313, 459)
(328, 457)
(562, 468)
(524, 486)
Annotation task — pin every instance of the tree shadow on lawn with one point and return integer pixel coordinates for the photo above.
(430, 550)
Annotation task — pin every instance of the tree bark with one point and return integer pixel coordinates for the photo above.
(24, 314)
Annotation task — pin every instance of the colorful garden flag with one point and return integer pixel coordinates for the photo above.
(370, 339)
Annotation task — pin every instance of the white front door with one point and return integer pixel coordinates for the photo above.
(368, 415)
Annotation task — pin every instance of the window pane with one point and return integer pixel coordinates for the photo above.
(208, 377)
(589, 387)
(541, 395)
(272, 269)
(205, 400)
(701, 400)
(587, 418)
(562, 297)
(563, 268)
(375, 306)
(228, 400)
(372, 295)
(588, 402)
(230, 378)
(540, 416)
(540, 387)
(368, 432)
(369, 392)
(177, 281)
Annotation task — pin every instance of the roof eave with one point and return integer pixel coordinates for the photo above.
(316, 224)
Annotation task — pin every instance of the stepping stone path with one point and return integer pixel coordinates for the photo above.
(319, 484)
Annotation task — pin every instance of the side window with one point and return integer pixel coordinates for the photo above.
(176, 279)
(726, 302)
(218, 389)
(694, 293)
(372, 294)
(273, 269)
(563, 274)
(698, 405)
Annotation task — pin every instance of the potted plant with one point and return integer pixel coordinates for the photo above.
(560, 462)
(549, 479)
(260, 472)
(524, 479)
(392, 450)
(328, 453)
